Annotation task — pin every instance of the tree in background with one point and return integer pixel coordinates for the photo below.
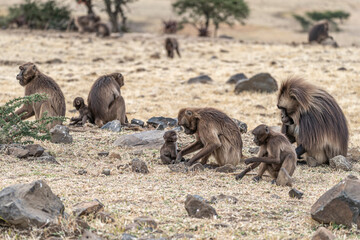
(114, 8)
(200, 13)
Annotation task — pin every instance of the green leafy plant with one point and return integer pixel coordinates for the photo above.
(200, 13)
(13, 129)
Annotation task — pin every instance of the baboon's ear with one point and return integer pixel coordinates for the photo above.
(189, 113)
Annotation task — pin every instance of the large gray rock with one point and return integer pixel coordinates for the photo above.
(340, 204)
(262, 82)
(235, 78)
(340, 162)
(114, 126)
(198, 208)
(60, 134)
(147, 139)
(34, 204)
(200, 79)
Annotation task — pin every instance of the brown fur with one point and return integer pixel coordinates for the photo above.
(319, 32)
(102, 30)
(216, 134)
(321, 125)
(83, 110)
(168, 151)
(171, 44)
(105, 101)
(87, 23)
(276, 155)
(35, 81)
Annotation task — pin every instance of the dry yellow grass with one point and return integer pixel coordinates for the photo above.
(161, 90)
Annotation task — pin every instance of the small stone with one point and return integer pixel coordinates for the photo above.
(137, 122)
(60, 134)
(235, 78)
(182, 236)
(54, 61)
(115, 155)
(197, 167)
(294, 193)
(18, 152)
(106, 172)
(88, 235)
(155, 55)
(103, 154)
(254, 150)
(35, 150)
(200, 79)
(180, 167)
(105, 217)
(126, 236)
(47, 158)
(342, 69)
(98, 59)
(222, 197)
(275, 196)
(199, 209)
(82, 172)
(228, 168)
(139, 166)
(323, 234)
(221, 225)
(340, 162)
(145, 221)
(114, 126)
(86, 208)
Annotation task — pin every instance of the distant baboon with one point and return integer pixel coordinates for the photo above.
(276, 155)
(320, 125)
(168, 151)
(105, 101)
(84, 116)
(319, 32)
(35, 81)
(171, 44)
(102, 30)
(216, 134)
(87, 23)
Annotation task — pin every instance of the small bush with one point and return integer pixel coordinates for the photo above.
(13, 129)
(38, 15)
(305, 24)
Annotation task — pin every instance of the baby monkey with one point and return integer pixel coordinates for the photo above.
(169, 150)
(83, 110)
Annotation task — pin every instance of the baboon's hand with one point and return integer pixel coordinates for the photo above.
(249, 160)
(256, 178)
(240, 176)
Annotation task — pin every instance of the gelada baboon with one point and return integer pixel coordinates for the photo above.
(102, 30)
(84, 116)
(87, 23)
(171, 44)
(319, 32)
(320, 125)
(216, 134)
(105, 101)
(35, 81)
(276, 155)
(168, 151)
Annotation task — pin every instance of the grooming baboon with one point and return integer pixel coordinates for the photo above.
(319, 32)
(171, 44)
(216, 134)
(35, 81)
(87, 23)
(168, 151)
(84, 116)
(276, 155)
(105, 101)
(102, 30)
(320, 125)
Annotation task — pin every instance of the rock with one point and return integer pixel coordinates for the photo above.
(105, 217)
(200, 79)
(88, 235)
(341, 69)
(115, 155)
(199, 209)
(179, 167)
(330, 42)
(82, 172)
(243, 126)
(18, 152)
(294, 193)
(86, 208)
(106, 172)
(165, 122)
(182, 236)
(221, 225)
(137, 122)
(147, 139)
(114, 126)
(34, 204)
(60, 134)
(155, 55)
(323, 234)
(222, 197)
(35, 150)
(54, 61)
(226, 37)
(146, 222)
(98, 59)
(262, 82)
(311, 162)
(235, 78)
(103, 154)
(139, 166)
(340, 162)
(254, 150)
(126, 236)
(197, 167)
(340, 204)
(45, 159)
(228, 168)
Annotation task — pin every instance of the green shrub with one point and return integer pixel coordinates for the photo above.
(13, 129)
(305, 24)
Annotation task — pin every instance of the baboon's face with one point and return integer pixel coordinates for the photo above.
(118, 77)
(170, 136)
(260, 133)
(27, 73)
(188, 120)
(285, 119)
(288, 106)
(78, 103)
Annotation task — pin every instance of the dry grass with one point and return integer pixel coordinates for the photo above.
(161, 90)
